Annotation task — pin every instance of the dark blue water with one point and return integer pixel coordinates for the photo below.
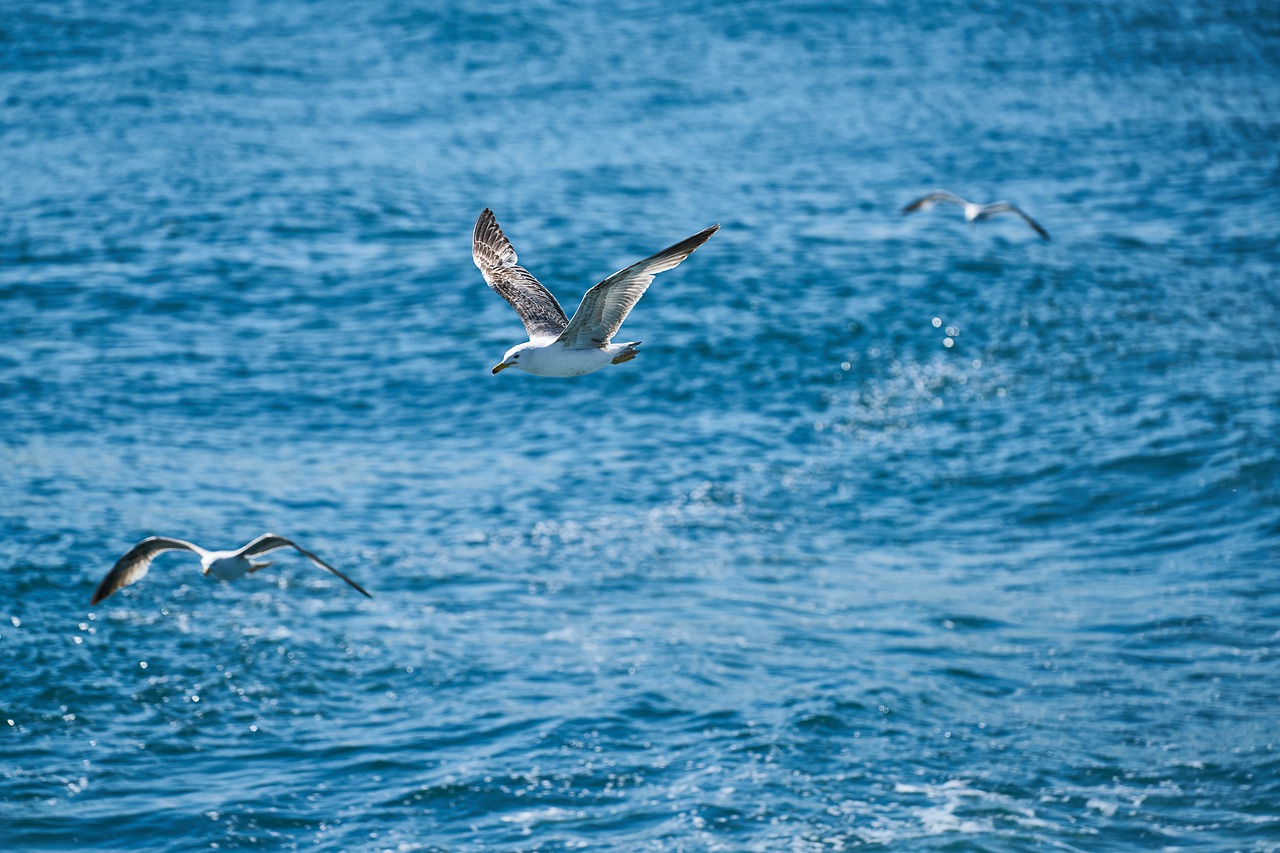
(897, 535)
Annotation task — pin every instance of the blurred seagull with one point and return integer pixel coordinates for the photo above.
(558, 346)
(224, 565)
(973, 212)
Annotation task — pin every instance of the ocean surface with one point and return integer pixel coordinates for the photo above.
(898, 535)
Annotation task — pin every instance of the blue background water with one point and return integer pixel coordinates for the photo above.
(802, 576)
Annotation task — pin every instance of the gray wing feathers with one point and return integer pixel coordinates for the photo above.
(606, 305)
(268, 542)
(493, 254)
(927, 201)
(134, 564)
(1004, 206)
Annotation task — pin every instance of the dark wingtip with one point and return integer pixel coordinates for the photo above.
(98, 595)
(486, 216)
(697, 239)
(701, 237)
(357, 587)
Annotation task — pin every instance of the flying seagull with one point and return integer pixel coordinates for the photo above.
(973, 212)
(224, 565)
(558, 346)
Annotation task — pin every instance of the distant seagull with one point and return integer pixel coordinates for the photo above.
(557, 346)
(224, 565)
(973, 212)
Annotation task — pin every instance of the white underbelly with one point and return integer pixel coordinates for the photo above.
(559, 361)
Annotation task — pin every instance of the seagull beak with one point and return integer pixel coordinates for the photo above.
(501, 367)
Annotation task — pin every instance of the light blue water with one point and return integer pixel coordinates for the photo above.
(800, 577)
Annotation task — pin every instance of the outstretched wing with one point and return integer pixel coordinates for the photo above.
(1004, 206)
(492, 252)
(927, 201)
(134, 564)
(268, 542)
(606, 305)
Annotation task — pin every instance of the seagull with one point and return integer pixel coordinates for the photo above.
(558, 346)
(973, 212)
(224, 565)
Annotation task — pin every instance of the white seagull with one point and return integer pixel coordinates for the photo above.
(558, 346)
(973, 212)
(224, 565)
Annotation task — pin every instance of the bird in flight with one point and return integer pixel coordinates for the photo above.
(559, 346)
(224, 565)
(973, 212)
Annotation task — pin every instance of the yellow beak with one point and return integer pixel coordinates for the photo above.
(502, 367)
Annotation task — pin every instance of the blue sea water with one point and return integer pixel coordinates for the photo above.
(898, 535)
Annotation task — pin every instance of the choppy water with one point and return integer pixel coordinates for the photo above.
(896, 536)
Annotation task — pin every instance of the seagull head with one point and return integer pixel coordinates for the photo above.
(512, 358)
